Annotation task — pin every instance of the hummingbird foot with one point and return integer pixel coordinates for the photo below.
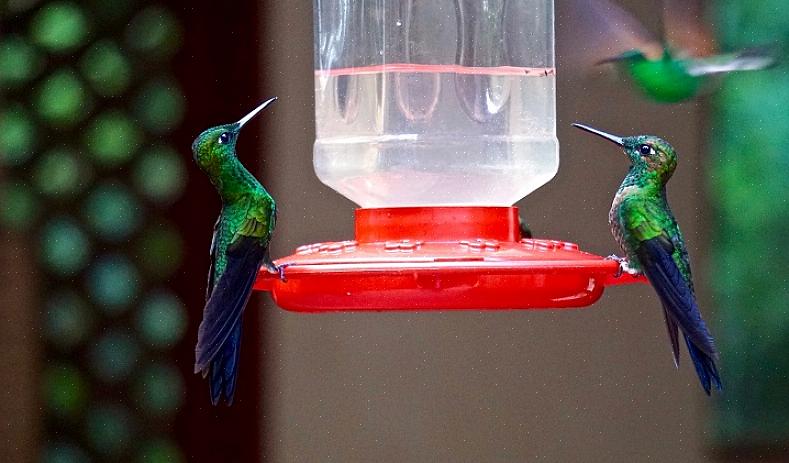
(279, 270)
(624, 266)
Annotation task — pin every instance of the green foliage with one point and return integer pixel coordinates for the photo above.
(65, 249)
(114, 356)
(112, 211)
(101, 244)
(68, 320)
(17, 136)
(154, 32)
(113, 138)
(159, 390)
(749, 262)
(65, 390)
(160, 174)
(61, 173)
(109, 429)
(113, 283)
(161, 319)
(106, 68)
(19, 61)
(62, 99)
(60, 27)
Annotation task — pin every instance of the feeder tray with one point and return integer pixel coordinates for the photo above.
(439, 258)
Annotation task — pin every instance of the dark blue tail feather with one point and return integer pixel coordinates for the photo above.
(705, 367)
(224, 368)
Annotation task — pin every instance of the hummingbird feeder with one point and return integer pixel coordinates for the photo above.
(435, 117)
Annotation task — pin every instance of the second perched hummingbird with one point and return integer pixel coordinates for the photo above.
(238, 249)
(646, 230)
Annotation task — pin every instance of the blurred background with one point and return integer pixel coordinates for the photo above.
(105, 226)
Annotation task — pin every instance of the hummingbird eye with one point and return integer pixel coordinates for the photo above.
(224, 138)
(646, 150)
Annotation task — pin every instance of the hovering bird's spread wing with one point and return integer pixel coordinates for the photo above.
(751, 59)
(589, 31)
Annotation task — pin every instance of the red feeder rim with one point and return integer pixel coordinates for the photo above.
(439, 258)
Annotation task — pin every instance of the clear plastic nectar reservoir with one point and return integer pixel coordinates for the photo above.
(435, 103)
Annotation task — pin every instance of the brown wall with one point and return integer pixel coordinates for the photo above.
(20, 421)
(594, 385)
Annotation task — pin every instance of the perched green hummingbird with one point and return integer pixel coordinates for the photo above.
(670, 79)
(646, 230)
(240, 246)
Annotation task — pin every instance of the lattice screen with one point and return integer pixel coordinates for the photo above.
(88, 101)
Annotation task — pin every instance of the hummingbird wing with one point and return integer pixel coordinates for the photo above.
(212, 265)
(589, 31)
(673, 334)
(664, 262)
(685, 28)
(752, 59)
(657, 261)
(228, 298)
(219, 335)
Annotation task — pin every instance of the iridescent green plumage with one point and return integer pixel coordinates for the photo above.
(646, 230)
(238, 249)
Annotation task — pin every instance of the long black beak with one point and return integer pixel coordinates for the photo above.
(600, 133)
(254, 112)
(612, 59)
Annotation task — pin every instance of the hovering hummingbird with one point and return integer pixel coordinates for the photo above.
(674, 68)
(670, 79)
(646, 230)
(239, 247)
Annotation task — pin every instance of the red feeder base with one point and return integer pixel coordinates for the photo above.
(439, 258)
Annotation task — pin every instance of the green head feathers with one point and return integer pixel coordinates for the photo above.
(649, 155)
(217, 145)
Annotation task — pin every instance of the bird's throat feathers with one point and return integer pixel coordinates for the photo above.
(232, 180)
(643, 182)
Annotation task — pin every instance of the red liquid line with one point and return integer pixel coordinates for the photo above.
(438, 68)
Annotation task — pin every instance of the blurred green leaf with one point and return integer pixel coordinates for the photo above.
(155, 33)
(113, 283)
(65, 248)
(110, 429)
(160, 174)
(113, 138)
(114, 356)
(19, 206)
(17, 136)
(19, 61)
(60, 27)
(160, 105)
(62, 100)
(112, 211)
(65, 390)
(67, 319)
(161, 319)
(61, 173)
(106, 68)
(159, 390)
